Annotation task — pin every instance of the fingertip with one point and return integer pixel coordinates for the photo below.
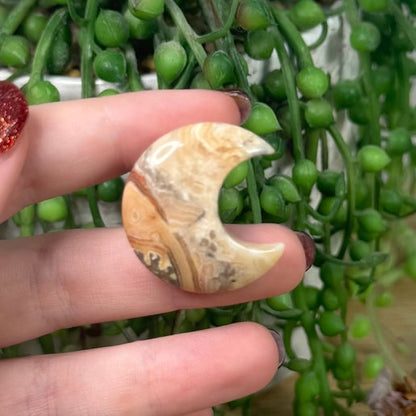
(242, 100)
(220, 106)
(264, 354)
(179, 107)
(295, 261)
(308, 248)
(277, 337)
(252, 355)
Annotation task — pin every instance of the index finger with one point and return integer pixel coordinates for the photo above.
(74, 144)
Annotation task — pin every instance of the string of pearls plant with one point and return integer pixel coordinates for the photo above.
(343, 167)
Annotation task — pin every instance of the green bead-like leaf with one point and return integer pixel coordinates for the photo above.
(373, 158)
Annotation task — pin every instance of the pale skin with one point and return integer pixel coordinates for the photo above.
(72, 278)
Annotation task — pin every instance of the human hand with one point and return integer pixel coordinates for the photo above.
(72, 278)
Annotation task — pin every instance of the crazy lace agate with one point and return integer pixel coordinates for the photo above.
(170, 209)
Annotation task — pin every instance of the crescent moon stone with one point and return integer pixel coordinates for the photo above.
(170, 209)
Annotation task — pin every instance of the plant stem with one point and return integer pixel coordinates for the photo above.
(351, 12)
(374, 106)
(378, 334)
(58, 19)
(367, 262)
(10, 352)
(324, 218)
(26, 230)
(88, 87)
(324, 150)
(396, 174)
(403, 88)
(239, 69)
(252, 188)
(374, 136)
(253, 194)
(334, 12)
(47, 344)
(349, 168)
(308, 322)
(78, 20)
(70, 220)
(287, 338)
(16, 16)
(87, 76)
(293, 37)
(405, 23)
(321, 38)
(211, 16)
(126, 334)
(218, 34)
(92, 202)
(133, 76)
(312, 141)
(178, 317)
(188, 33)
(186, 74)
(292, 99)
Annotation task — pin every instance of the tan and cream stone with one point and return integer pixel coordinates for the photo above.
(170, 209)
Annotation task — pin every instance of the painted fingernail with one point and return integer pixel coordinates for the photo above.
(308, 247)
(13, 114)
(280, 346)
(242, 100)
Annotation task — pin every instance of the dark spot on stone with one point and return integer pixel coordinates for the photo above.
(198, 218)
(226, 274)
(201, 215)
(168, 274)
(213, 247)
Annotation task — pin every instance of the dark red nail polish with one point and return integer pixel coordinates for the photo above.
(13, 114)
(242, 100)
(308, 247)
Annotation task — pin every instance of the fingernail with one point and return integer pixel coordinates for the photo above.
(13, 114)
(308, 247)
(280, 346)
(242, 100)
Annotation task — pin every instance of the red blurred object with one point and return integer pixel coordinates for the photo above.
(13, 114)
